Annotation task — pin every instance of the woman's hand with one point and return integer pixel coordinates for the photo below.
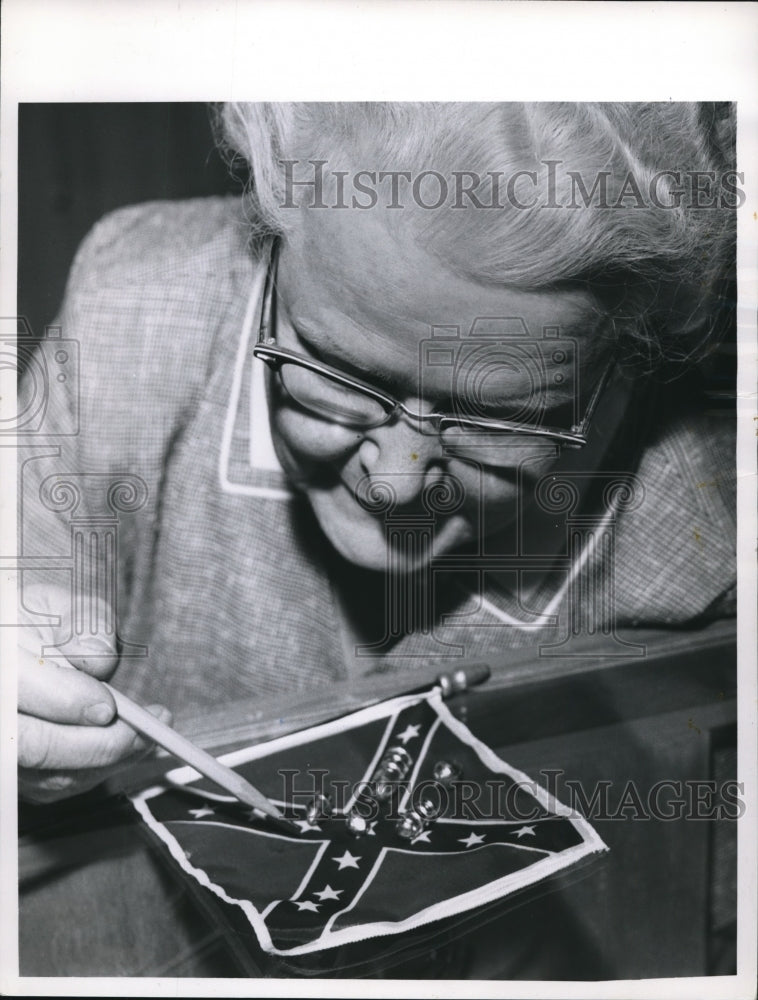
(69, 738)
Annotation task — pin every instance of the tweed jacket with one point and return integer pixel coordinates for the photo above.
(224, 586)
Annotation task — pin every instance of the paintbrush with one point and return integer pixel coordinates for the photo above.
(141, 720)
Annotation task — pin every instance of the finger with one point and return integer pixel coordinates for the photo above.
(52, 786)
(44, 745)
(97, 654)
(161, 713)
(59, 693)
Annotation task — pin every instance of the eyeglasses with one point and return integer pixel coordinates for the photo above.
(326, 392)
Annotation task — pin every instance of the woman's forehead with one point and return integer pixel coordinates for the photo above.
(351, 276)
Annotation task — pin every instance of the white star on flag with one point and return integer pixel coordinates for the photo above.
(328, 893)
(473, 838)
(204, 811)
(370, 829)
(347, 860)
(409, 733)
(305, 826)
(423, 837)
(306, 904)
(524, 831)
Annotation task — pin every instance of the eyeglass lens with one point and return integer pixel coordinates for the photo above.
(318, 394)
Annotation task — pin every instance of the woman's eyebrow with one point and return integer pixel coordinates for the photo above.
(345, 365)
(445, 400)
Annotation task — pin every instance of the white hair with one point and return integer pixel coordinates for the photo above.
(659, 273)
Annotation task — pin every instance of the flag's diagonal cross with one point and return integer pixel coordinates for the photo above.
(348, 865)
(321, 886)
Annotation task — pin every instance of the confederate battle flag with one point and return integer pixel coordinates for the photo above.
(402, 818)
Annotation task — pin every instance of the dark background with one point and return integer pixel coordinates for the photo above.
(79, 161)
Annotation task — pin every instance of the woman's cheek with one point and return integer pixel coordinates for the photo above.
(307, 438)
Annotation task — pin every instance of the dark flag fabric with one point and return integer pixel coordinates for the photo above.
(419, 821)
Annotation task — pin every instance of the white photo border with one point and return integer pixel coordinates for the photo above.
(160, 50)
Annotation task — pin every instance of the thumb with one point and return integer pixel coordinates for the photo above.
(97, 655)
(88, 643)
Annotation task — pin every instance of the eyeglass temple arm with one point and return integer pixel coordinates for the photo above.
(595, 399)
(268, 314)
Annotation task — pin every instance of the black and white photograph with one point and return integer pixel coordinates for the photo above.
(379, 496)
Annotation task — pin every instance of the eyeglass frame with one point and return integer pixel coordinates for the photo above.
(267, 350)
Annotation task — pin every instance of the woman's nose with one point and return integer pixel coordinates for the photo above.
(408, 458)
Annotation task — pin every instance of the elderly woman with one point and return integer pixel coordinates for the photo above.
(353, 421)
(430, 321)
